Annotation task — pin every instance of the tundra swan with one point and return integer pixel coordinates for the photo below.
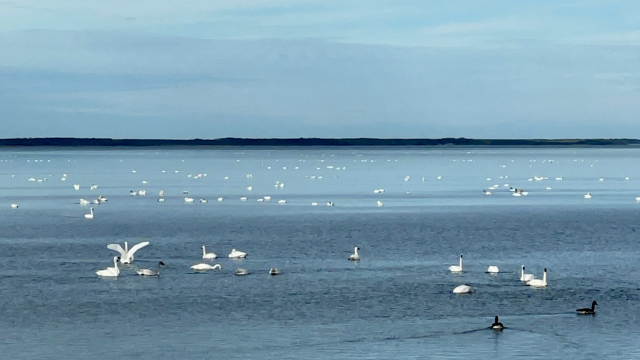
(110, 271)
(355, 256)
(493, 269)
(126, 254)
(236, 254)
(588, 196)
(274, 271)
(204, 266)
(148, 272)
(538, 282)
(206, 255)
(14, 206)
(89, 215)
(242, 271)
(588, 311)
(462, 289)
(456, 268)
(526, 277)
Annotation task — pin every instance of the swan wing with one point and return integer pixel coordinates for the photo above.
(137, 247)
(118, 248)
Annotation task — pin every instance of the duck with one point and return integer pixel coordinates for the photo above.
(462, 289)
(526, 277)
(456, 268)
(126, 254)
(588, 311)
(236, 254)
(110, 271)
(204, 266)
(206, 255)
(496, 325)
(493, 269)
(148, 272)
(274, 271)
(355, 256)
(241, 272)
(538, 282)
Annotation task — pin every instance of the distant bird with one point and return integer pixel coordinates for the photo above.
(89, 215)
(242, 271)
(462, 289)
(355, 256)
(588, 196)
(588, 311)
(380, 203)
(206, 255)
(538, 282)
(274, 271)
(493, 269)
(148, 272)
(236, 254)
(204, 266)
(110, 271)
(497, 325)
(487, 192)
(126, 254)
(188, 199)
(456, 268)
(14, 206)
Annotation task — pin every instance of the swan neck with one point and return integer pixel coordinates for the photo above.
(356, 250)
(204, 252)
(544, 277)
(460, 262)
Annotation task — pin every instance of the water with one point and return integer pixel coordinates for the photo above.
(395, 303)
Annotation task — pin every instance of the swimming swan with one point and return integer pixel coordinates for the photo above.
(526, 277)
(148, 272)
(587, 311)
(456, 268)
(462, 289)
(206, 255)
(89, 215)
(274, 271)
(206, 267)
(110, 271)
(235, 254)
(355, 256)
(493, 269)
(497, 325)
(126, 254)
(242, 271)
(588, 196)
(538, 282)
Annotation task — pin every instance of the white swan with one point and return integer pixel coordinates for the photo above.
(84, 202)
(110, 271)
(274, 271)
(588, 196)
(126, 254)
(204, 266)
(188, 199)
(14, 206)
(462, 289)
(89, 215)
(242, 271)
(76, 187)
(355, 256)
(148, 272)
(456, 268)
(538, 282)
(493, 269)
(380, 203)
(235, 254)
(526, 277)
(206, 255)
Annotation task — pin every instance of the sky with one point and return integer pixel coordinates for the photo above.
(320, 68)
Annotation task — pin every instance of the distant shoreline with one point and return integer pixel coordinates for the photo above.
(309, 142)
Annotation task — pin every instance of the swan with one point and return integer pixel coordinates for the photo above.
(355, 256)
(188, 199)
(161, 199)
(380, 203)
(456, 268)
(282, 201)
(486, 192)
(587, 311)
(204, 201)
(76, 187)
(462, 289)
(220, 199)
(126, 254)
(316, 204)
(538, 282)
(84, 202)
(497, 325)
(206, 255)
(89, 215)
(329, 203)
(132, 193)
(242, 271)
(588, 196)
(493, 269)
(148, 272)
(526, 277)
(235, 254)
(110, 271)
(142, 192)
(206, 267)
(274, 271)
(14, 206)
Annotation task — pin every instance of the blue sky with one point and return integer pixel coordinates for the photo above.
(284, 68)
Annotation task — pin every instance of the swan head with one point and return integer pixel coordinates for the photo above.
(160, 263)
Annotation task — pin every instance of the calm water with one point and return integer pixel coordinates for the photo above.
(395, 303)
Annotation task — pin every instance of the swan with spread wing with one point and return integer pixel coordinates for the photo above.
(126, 254)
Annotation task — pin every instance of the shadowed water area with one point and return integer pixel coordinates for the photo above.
(396, 302)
